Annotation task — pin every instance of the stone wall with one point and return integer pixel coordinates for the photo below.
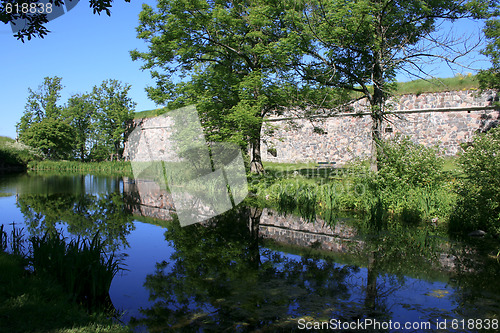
(443, 119)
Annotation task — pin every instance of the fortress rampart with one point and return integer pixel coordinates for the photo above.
(444, 119)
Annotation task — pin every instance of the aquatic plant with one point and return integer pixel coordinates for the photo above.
(106, 167)
(3, 239)
(81, 266)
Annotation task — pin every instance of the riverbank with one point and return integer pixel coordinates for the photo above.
(35, 303)
(106, 167)
(414, 186)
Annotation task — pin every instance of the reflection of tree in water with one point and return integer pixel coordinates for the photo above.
(475, 278)
(393, 252)
(220, 279)
(84, 214)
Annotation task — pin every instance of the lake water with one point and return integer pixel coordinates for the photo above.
(254, 269)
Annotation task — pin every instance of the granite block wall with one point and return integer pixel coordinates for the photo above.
(342, 138)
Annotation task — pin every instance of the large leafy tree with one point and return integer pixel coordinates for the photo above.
(361, 45)
(80, 110)
(43, 124)
(113, 112)
(234, 56)
(490, 78)
(41, 103)
(55, 138)
(90, 126)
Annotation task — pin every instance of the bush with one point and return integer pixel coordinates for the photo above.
(16, 154)
(403, 162)
(478, 206)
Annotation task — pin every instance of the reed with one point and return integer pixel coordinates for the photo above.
(80, 266)
(3, 239)
(60, 286)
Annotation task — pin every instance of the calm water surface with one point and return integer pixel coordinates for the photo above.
(254, 269)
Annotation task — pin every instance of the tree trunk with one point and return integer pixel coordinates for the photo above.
(117, 151)
(256, 159)
(82, 153)
(377, 104)
(376, 138)
(371, 282)
(253, 225)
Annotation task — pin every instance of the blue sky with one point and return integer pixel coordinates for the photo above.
(85, 49)
(82, 48)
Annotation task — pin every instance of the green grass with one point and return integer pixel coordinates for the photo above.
(62, 291)
(459, 82)
(149, 113)
(35, 303)
(107, 167)
(6, 139)
(304, 190)
(273, 166)
(451, 164)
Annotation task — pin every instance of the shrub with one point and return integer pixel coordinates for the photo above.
(403, 162)
(478, 206)
(16, 154)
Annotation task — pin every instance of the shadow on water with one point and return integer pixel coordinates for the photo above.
(221, 279)
(256, 269)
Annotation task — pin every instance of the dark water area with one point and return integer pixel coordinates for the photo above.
(253, 269)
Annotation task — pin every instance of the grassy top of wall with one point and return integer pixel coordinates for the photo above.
(417, 87)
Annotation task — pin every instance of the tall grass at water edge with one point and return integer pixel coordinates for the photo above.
(108, 167)
(80, 266)
(415, 192)
(407, 205)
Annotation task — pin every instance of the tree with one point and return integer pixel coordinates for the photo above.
(80, 110)
(232, 51)
(41, 103)
(361, 45)
(478, 204)
(113, 113)
(43, 125)
(490, 78)
(35, 26)
(53, 137)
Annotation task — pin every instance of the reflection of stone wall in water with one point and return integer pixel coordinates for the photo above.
(146, 198)
(297, 231)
